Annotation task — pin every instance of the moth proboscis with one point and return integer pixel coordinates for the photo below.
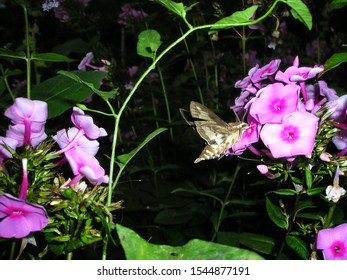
(219, 135)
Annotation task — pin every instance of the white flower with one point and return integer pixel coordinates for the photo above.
(334, 193)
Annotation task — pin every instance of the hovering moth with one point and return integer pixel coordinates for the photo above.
(219, 135)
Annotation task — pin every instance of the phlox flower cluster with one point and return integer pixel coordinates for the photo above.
(281, 109)
(18, 217)
(284, 110)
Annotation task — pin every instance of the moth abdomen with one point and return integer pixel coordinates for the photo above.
(210, 152)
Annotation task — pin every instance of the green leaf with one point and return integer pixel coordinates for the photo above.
(176, 8)
(236, 19)
(136, 248)
(298, 246)
(148, 43)
(197, 192)
(257, 242)
(52, 57)
(300, 12)
(308, 177)
(334, 61)
(276, 214)
(124, 159)
(62, 93)
(304, 204)
(5, 53)
(315, 191)
(103, 94)
(338, 4)
(284, 192)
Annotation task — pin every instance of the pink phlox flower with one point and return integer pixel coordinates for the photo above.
(274, 102)
(85, 122)
(4, 143)
(85, 165)
(19, 218)
(65, 137)
(266, 71)
(333, 242)
(24, 137)
(249, 136)
(263, 169)
(25, 111)
(240, 101)
(339, 106)
(294, 136)
(316, 96)
(86, 62)
(29, 118)
(294, 74)
(128, 14)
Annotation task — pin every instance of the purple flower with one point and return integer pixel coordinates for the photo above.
(294, 74)
(65, 137)
(7, 142)
(24, 136)
(274, 102)
(263, 169)
(26, 111)
(333, 242)
(85, 165)
(249, 136)
(128, 13)
(340, 141)
(294, 136)
(86, 62)
(266, 71)
(19, 218)
(85, 122)
(29, 118)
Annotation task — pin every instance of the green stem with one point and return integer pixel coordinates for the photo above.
(225, 203)
(193, 69)
(330, 215)
(166, 100)
(6, 82)
(69, 256)
(290, 223)
(28, 55)
(243, 46)
(13, 249)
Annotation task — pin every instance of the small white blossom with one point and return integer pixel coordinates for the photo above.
(334, 192)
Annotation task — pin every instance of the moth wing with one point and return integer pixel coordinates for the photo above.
(201, 112)
(213, 133)
(187, 117)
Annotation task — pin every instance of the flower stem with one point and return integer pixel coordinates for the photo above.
(327, 222)
(166, 100)
(28, 55)
(225, 202)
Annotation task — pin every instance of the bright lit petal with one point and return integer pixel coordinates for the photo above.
(274, 102)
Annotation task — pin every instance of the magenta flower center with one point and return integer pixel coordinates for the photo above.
(290, 133)
(338, 248)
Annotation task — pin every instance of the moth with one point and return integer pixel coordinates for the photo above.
(219, 135)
